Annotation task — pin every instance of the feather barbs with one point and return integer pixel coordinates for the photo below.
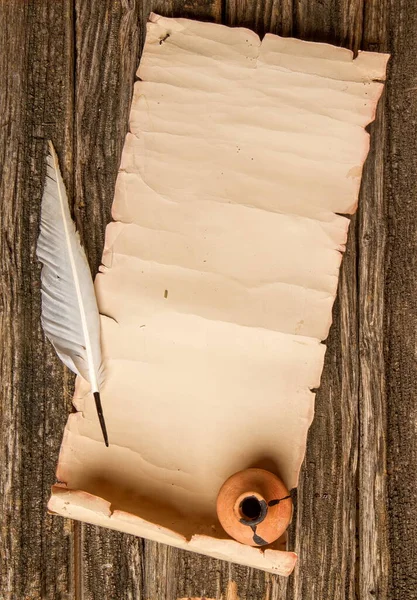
(70, 317)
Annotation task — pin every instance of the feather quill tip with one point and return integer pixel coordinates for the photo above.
(101, 417)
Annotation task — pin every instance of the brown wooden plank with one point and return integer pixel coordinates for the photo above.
(373, 553)
(373, 548)
(326, 512)
(35, 103)
(400, 331)
(338, 23)
(267, 16)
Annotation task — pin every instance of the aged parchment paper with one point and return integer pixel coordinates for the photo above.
(219, 275)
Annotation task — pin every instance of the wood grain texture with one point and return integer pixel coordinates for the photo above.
(269, 16)
(69, 69)
(373, 549)
(400, 290)
(35, 103)
(340, 23)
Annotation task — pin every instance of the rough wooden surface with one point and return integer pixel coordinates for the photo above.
(67, 70)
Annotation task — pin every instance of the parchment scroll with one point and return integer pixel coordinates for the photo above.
(218, 279)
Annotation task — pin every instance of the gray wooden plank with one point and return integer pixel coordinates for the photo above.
(35, 103)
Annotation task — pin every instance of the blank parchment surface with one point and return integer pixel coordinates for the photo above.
(219, 275)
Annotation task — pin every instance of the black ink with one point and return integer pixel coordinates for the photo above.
(259, 512)
(164, 38)
(257, 538)
(275, 502)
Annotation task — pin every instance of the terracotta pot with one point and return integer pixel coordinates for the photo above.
(254, 507)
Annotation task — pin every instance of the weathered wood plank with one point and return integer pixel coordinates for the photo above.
(268, 16)
(400, 326)
(35, 103)
(338, 23)
(325, 527)
(373, 550)
(373, 554)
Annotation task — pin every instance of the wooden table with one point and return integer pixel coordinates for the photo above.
(67, 69)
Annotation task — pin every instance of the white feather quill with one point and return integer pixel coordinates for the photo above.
(70, 317)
